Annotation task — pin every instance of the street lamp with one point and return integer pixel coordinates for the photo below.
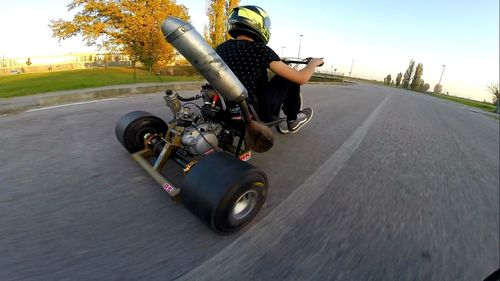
(350, 72)
(441, 74)
(282, 50)
(300, 41)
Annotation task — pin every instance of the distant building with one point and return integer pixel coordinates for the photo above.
(61, 62)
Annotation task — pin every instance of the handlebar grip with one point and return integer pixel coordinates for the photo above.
(290, 61)
(310, 58)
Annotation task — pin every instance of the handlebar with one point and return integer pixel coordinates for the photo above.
(298, 61)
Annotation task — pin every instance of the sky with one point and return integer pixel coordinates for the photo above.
(376, 38)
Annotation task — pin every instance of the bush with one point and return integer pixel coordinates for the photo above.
(494, 89)
(425, 87)
(438, 89)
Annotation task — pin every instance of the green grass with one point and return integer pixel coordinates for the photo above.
(363, 80)
(473, 103)
(34, 83)
(485, 106)
(322, 79)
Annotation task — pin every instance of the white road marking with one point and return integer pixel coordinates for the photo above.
(69, 104)
(247, 249)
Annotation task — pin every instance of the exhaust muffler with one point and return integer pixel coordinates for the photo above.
(184, 37)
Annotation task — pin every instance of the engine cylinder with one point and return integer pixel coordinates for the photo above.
(199, 140)
(184, 37)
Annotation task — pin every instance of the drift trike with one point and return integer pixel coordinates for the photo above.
(211, 136)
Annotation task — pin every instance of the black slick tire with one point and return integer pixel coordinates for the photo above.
(133, 126)
(224, 192)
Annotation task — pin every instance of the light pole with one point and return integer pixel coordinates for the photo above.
(282, 50)
(350, 72)
(300, 42)
(439, 83)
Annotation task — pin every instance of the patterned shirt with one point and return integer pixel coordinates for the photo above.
(249, 60)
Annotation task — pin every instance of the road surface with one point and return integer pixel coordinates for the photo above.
(383, 184)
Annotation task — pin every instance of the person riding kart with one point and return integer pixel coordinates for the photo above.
(249, 57)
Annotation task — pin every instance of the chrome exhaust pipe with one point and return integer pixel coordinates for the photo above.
(184, 37)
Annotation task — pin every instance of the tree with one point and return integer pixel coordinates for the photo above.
(415, 83)
(438, 89)
(398, 79)
(420, 85)
(218, 12)
(387, 80)
(128, 26)
(494, 89)
(230, 5)
(408, 73)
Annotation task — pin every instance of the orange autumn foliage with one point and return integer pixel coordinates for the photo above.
(128, 26)
(218, 12)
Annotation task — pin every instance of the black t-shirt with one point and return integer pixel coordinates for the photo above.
(249, 60)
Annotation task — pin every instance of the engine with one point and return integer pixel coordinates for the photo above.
(200, 139)
(199, 136)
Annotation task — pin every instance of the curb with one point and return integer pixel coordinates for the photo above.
(487, 113)
(18, 104)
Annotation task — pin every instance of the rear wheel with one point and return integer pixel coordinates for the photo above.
(133, 126)
(224, 192)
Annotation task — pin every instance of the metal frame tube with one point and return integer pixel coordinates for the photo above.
(141, 158)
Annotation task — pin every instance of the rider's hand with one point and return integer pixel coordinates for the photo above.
(316, 62)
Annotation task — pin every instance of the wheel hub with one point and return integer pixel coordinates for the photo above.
(243, 206)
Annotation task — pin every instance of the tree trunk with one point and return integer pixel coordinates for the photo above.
(133, 65)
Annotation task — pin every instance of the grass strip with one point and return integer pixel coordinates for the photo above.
(484, 106)
(34, 83)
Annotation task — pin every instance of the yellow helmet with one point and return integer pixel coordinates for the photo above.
(250, 20)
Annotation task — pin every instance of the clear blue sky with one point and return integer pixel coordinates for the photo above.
(380, 36)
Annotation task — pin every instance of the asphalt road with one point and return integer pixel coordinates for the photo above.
(383, 184)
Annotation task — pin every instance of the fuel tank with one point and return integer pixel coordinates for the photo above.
(184, 37)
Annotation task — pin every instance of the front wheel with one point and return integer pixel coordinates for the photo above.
(133, 126)
(224, 192)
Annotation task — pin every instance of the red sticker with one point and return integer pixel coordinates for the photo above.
(246, 156)
(168, 188)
